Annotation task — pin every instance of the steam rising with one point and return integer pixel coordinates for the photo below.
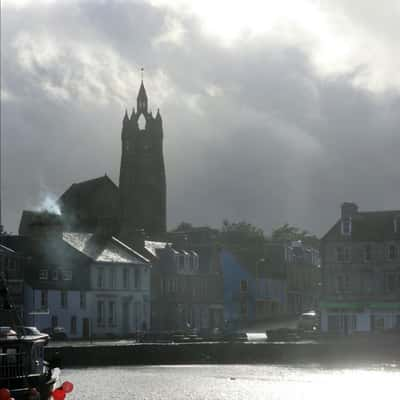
(49, 204)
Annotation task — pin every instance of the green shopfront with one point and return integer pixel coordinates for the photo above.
(348, 317)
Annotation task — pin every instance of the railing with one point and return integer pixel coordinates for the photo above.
(13, 365)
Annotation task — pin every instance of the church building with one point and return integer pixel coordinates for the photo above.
(138, 206)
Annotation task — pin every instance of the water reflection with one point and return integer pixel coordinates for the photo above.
(235, 382)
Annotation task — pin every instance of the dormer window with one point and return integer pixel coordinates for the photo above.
(346, 226)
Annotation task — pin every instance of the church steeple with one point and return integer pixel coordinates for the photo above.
(142, 100)
(142, 175)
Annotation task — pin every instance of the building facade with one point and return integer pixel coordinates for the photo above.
(12, 275)
(361, 272)
(91, 284)
(187, 289)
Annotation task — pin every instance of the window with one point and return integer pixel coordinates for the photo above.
(243, 308)
(243, 285)
(390, 282)
(54, 275)
(137, 278)
(43, 274)
(396, 224)
(125, 278)
(346, 226)
(64, 299)
(182, 261)
(339, 283)
(377, 323)
(100, 313)
(54, 321)
(66, 274)
(82, 301)
(44, 301)
(113, 278)
(347, 254)
(73, 325)
(100, 278)
(172, 285)
(112, 316)
(339, 254)
(392, 252)
(367, 253)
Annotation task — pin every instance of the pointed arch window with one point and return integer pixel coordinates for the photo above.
(142, 122)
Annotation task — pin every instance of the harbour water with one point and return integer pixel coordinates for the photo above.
(235, 382)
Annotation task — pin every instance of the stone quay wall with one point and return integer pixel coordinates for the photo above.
(224, 353)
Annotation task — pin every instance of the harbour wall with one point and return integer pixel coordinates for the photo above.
(224, 353)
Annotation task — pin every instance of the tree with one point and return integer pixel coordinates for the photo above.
(288, 232)
(243, 239)
(183, 227)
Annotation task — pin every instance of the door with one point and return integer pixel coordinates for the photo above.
(346, 325)
(85, 328)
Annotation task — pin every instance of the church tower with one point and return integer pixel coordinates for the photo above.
(142, 183)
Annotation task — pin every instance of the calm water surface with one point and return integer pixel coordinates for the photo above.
(234, 382)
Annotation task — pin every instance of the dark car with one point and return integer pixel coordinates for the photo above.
(56, 333)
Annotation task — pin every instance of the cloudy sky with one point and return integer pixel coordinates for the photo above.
(273, 111)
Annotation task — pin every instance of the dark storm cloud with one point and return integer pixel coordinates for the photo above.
(251, 131)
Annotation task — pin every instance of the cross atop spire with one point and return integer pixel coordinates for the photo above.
(141, 73)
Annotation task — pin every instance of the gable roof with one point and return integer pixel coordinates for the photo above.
(367, 226)
(86, 190)
(103, 249)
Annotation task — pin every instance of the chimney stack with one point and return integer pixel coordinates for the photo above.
(349, 210)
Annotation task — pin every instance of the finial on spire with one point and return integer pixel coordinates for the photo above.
(141, 73)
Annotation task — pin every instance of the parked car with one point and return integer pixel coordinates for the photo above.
(28, 331)
(56, 333)
(308, 321)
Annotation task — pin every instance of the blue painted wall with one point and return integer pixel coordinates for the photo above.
(234, 273)
(32, 298)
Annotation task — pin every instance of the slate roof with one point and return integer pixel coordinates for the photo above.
(103, 249)
(86, 189)
(152, 246)
(368, 226)
(37, 218)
